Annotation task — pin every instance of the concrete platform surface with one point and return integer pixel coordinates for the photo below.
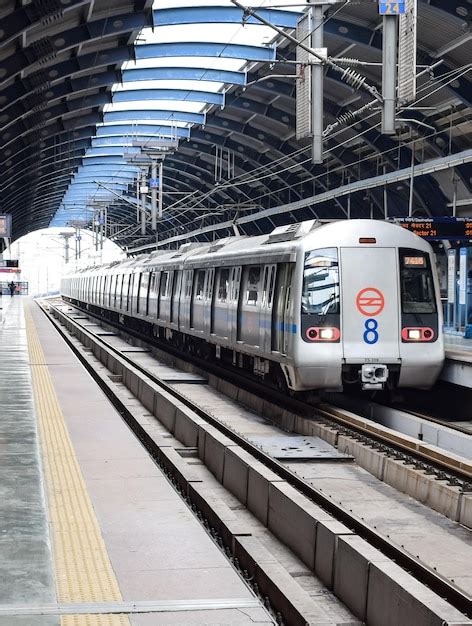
(153, 546)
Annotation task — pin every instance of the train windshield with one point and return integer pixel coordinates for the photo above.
(320, 294)
(417, 284)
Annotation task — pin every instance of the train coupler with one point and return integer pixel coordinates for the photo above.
(374, 376)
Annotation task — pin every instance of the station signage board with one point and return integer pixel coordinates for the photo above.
(9, 266)
(437, 228)
(5, 225)
(387, 7)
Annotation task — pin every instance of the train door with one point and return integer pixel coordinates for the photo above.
(153, 295)
(175, 301)
(129, 301)
(370, 305)
(186, 299)
(164, 296)
(136, 291)
(208, 301)
(220, 309)
(268, 288)
(282, 324)
(198, 301)
(233, 313)
(251, 299)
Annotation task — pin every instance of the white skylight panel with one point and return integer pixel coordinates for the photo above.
(165, 121)
(156, 105)
(214, 63)
(248, 35)
(172, 4)
(198, 85)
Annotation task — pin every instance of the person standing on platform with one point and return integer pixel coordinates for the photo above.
(12, 288)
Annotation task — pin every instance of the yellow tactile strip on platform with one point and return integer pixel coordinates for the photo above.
(83, 569)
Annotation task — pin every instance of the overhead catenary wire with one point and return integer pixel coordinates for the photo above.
(453, 76)
(250, 177)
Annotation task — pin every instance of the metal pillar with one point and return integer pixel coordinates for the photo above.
(389, 73)
(143, 191)
(95, 229)
(454, 197)
(412, 181)
(161, 187)
(154, 196)
(317, 77)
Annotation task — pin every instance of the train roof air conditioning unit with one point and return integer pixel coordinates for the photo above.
(187, 247)
(290, 231)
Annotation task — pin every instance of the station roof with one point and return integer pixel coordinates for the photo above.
(86, 84)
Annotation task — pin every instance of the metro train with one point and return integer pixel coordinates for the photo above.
(307, 307)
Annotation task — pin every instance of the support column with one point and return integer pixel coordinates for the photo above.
(317, 75)
(161, 187)
(154, 196)
(143, 202)
(389, 73)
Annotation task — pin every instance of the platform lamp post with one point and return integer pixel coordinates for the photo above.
(150, 158)
(78, 225)
(66, 236)
(155, 151)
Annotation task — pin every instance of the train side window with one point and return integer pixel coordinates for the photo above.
(320, 294)
(223, 283)
(209, 284)
(236, 283)
(271, 286)
(164, 284)
(265, 286)
(143, 293)
(188, 283)
(129, 304)
(253, 285)
(119, 288)
(112, 290)
(124, 292)
(138, 290)
(199, 284)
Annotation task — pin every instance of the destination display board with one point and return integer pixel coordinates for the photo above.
(9, 263)
(5, 225)
(435, 229)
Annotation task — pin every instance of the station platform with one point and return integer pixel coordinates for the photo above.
(91, 532)
(458, 366)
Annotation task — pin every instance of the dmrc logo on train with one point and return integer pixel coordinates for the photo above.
(370, 302)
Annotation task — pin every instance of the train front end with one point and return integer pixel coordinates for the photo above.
(370, 299)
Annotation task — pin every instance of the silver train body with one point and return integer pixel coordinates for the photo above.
(308, 306)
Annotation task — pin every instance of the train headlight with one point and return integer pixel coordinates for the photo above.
(323, 333)
(419, 334)
(327, 334)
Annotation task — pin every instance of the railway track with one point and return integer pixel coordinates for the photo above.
(431, 459)
(415, 452)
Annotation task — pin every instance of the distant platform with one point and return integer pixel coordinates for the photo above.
(458, 367)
